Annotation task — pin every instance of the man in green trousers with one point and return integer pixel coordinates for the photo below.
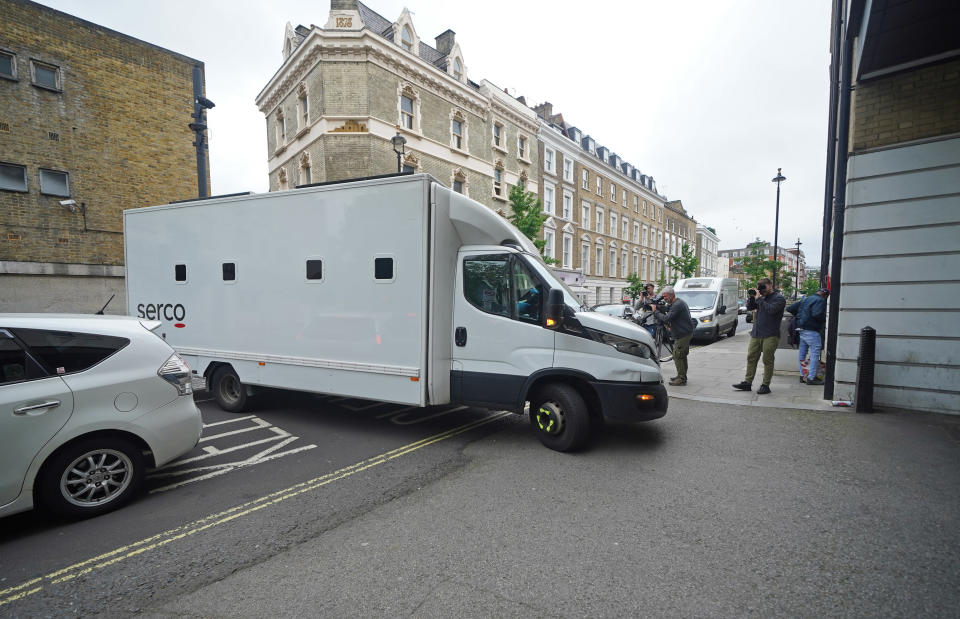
(765, 335)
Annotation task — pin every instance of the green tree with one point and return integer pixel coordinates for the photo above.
(635, 288)
(686, 263)
(811, 285)
(662, 280)
(528, 216)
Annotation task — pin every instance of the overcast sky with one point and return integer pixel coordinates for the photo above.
(708, 97)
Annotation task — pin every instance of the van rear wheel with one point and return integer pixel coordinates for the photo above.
(229, 393)
(560, 417)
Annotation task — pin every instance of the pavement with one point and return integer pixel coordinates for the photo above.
(714, 368)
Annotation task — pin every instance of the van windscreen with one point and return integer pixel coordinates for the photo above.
(698, 300)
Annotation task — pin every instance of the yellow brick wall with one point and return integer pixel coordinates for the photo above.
(912, 105)
(120, 121)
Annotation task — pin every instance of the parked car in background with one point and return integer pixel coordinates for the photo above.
(741, 306)
(614, 309)
(87, 404)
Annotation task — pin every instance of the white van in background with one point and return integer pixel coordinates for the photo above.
(713, 303)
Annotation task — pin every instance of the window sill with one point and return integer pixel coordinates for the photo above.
(42, 87)
(524, 160)
(499, 197)
(461, 151)
(10, 78)
(303, 131)
(280, 149)
(499, 148)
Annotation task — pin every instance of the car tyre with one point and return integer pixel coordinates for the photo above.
(90, 477)
(560, 417)
(733, 329)
(229, 393)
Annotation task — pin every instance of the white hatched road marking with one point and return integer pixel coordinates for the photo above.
(214, 470)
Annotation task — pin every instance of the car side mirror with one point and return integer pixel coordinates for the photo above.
(722, 309)
(553, 316)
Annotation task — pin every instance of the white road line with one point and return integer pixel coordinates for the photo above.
(235, 420)
(260, 425)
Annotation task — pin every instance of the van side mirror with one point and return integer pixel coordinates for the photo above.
(553, 316)
(722, 309)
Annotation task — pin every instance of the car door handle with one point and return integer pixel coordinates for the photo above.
(460, 336)
(23, 410)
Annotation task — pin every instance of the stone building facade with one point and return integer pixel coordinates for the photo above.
(707, 246)
(91, 122)
(607, 219)
(679, 229)
(344, 90)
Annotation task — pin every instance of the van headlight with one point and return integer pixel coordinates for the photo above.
(624, 345)
(706, 319)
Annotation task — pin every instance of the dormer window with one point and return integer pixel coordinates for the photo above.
(457, 69)
(406, 39)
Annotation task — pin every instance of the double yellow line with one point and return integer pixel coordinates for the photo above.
(117, 555)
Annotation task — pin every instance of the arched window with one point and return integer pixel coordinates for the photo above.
(406, 39)
(458, 69)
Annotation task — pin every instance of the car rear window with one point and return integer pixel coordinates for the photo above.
(65, 352)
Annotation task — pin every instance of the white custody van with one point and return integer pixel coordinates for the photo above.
(713, 303)
(394, 289)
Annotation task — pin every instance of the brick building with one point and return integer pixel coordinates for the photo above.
(607, 218)
(91, 122)
(891, 242)
(679, 229)
(793, 260)
(344, 90)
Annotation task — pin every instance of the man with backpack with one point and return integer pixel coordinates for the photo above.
(811, 314)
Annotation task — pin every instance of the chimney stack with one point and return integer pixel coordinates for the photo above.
(445, 41)
(343, 5)
(544, 110)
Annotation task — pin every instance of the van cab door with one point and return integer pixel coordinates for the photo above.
(498, 337)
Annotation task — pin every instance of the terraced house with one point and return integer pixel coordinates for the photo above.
(607, 218)
(344, 91)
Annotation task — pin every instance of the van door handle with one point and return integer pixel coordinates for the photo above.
(23, 410)
(460, 336)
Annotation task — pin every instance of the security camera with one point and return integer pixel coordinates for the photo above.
(68, 202)
(204, 102)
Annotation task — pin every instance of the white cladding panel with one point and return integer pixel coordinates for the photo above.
(347, 334)
(900, 274)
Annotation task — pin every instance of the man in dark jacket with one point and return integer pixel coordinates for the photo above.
(765, 335)
(681, 328)
(811, 313)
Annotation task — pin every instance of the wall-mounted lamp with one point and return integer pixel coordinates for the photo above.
(70, 204)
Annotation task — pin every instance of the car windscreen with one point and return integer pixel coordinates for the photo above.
(700, 300)
(65, 352)
(613, 310)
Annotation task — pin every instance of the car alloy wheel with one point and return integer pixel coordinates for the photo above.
(96, 478)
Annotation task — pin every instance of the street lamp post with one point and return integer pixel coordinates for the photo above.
(779, 178)
(399, 144)
(796, 288)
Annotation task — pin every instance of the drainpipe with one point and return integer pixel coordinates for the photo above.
(843, 141)
(831, 141)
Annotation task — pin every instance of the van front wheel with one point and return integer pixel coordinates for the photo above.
(228, 391)
(560, 418)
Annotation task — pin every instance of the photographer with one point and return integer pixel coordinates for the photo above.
(678, 320)
(765, 335)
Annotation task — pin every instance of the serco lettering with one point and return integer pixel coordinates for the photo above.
(161, 311)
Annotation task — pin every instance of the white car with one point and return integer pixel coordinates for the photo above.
(87, 404)
(618, 310)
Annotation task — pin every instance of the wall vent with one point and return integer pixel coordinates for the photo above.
(13, 237)
(53, 136)
(4, 127)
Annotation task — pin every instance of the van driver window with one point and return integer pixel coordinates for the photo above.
(528, 296)
(486, 284)
(497, 285)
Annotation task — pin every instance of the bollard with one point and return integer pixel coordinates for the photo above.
(865, 363)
